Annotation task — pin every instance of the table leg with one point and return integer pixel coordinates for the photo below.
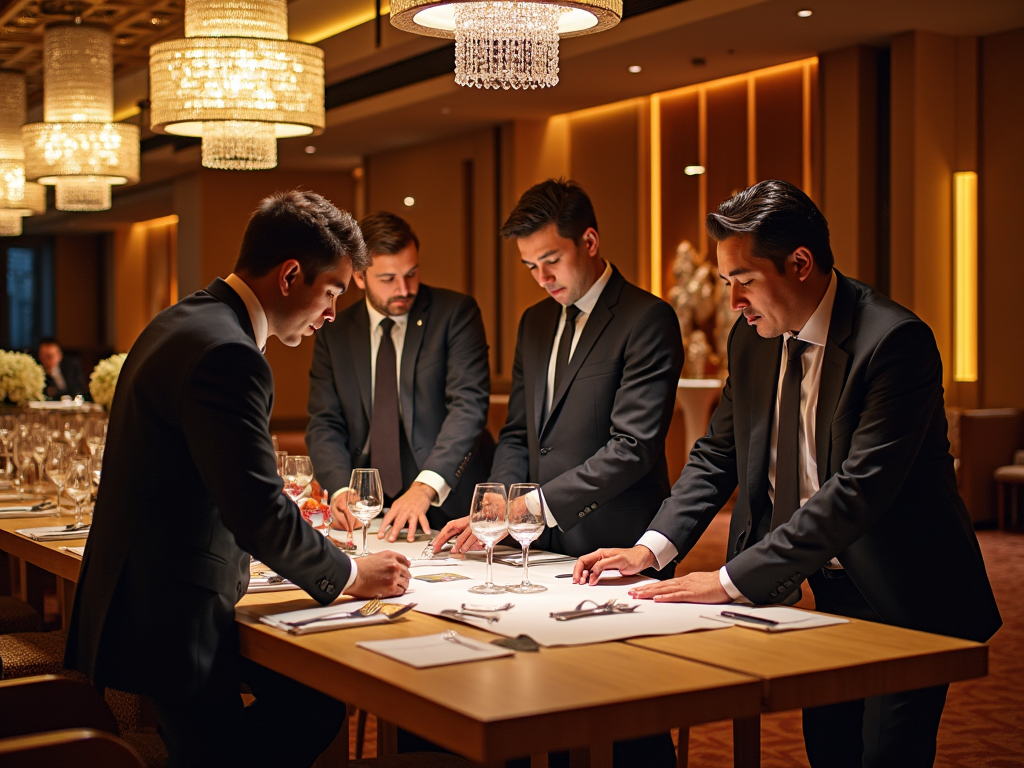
(594, 756)
(387, 738)
(683, 750)
(65, 600)
(746, 742)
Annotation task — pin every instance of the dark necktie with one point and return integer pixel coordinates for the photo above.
(385, 453)
(565, 345)
(787, 455)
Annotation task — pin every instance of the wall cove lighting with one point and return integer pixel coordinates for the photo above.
(806, 13)
(965, 260)
(694, 170)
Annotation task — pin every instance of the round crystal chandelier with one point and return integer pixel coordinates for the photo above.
(501, 44)
(78, 148)
(18, 198)
(238, 82)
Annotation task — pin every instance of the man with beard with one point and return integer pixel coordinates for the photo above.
(419, 358)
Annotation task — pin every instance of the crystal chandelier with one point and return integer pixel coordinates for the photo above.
(18, 198)
(237, 81)
(500, 44)
(78, 148)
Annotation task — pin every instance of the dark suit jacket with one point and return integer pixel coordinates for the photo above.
(888, 505)
(444, 389)
(74, 381)
(600, 454)
(189, 490)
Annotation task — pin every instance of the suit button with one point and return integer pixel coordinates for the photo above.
(322, 583)
(583, 514)
(458, 472)
(543, 451)
(774, 593)
(330, 589)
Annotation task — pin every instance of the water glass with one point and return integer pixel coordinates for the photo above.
(526, 523)
(298, 471)
(95, 433)
(57, 465)
(488, 519)
(280, 456)
(78, 487)
(365, 499)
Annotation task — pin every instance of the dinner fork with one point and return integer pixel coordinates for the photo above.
(371, 608)
(602, 609)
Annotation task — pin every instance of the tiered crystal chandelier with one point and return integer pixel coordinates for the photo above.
(79, 148)
(18, 198)
(237, 81)
(500, 44)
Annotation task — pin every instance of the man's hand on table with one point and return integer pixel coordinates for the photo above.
(409, 509)
(343, 519)
(698, 587)
(385, 574)
(626, 561)
(465, 542)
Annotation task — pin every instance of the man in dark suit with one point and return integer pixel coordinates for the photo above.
(63, 377)
(836, 438)
(593, 388)
(190, 491)
(419, 406)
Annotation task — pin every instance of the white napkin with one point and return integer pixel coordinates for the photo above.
(786, 618)
(52, 533)
(79, 551)
(286, 620)
(434, 650)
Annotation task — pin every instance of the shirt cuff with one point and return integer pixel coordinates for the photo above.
(730, 589)
(352, 574)
(438, 483)
(338, 493)
(533, 503)
(664, 551)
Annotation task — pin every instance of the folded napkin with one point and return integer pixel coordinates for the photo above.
(53, 533)
(79, 551)
(784, 619)
(435, 650)
(286, 620)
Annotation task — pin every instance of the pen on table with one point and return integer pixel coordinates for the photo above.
(748, 617)
(563, 576)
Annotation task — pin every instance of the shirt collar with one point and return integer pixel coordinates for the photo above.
(376, 317)
(252, 305)
(588, 301)
(815, 330)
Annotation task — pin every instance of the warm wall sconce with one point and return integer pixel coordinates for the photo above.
(694, 170)
(965, 260)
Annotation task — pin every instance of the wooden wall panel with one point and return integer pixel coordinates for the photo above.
(779, 126)
(681, 215)
(727, 141)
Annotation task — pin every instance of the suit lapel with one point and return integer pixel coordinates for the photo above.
(833, 372)
(414, 330)
(540, 344)
(764, 381)
(359, 340)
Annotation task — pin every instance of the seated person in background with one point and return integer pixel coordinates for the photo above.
(63, 377)
(190, 491)
(401, 383)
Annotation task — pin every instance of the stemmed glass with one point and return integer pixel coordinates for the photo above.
(298, 471)
(72, 430)
(488, 519)
(40, 440)
(95, 433)
(27, 470)
(365, 499)
(8, 431)
(525, 524)
(79, 486)
(280, 456)
(96, 468)
(58, 463)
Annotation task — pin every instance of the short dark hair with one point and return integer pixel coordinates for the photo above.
(559, 201)
(385, 234)
(49, 340)
(303, 226)
(779, 218)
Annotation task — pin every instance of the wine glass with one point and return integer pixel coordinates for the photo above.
(95, 433)
(365, 499)
(57, 463)
(488, 519)
(526, 522)
(280, 456)
(8, 432)
(96, 468)
(78, 487)
(40, 440)
(72, 429)
(26, 459)
(298, 471)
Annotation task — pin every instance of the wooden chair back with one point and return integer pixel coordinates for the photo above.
(72, 747)
(51, 703)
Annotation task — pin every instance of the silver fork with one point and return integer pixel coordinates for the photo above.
(371, 608)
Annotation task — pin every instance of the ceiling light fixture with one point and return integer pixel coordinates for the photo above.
(238, 82)
(636, 69)
(78, 148)
(502, 44)
(694, 170)
(18, 198)
(806, 13)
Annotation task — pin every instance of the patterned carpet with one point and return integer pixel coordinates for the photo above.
(983, 723)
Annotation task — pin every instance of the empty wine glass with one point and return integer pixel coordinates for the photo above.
(78, 487)
(25, 455)
(488, 518)
(298, 471)
(57, 464)
(8, 432)
(73, 429)
(40, 440)
(95, 433)
(526, 523)
(280, 456)
(365, 499)
(96, 468)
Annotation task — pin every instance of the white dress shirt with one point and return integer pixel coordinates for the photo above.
(815, 333)
(260, 327)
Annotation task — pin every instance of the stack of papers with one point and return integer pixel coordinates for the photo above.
(435, 650)
(53, 533)
(771, 618)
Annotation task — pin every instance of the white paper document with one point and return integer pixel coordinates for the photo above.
(435, 650)
(291, 621)
(53, 533)
(770, 618)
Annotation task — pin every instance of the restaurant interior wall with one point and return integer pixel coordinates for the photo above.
(80, 296)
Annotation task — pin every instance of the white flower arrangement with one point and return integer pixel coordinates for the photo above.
(21, 378)
(103, 380)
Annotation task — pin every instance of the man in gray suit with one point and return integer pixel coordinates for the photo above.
(418, 410)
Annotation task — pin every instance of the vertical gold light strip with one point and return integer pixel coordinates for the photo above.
(807, 175)
(702, 153)
(965, 259)
(656, 266)
(751, 132)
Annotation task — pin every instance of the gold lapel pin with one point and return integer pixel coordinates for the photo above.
(419, 322)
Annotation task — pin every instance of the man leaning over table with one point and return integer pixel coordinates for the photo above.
(593, 388)
(190, 491)
(832, 427)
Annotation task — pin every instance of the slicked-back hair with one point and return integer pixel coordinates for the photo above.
(385, 234)
(779, 218)
(303, 226)
(558, 201)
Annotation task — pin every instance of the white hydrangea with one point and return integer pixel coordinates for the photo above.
(103, 380)
(21, 378)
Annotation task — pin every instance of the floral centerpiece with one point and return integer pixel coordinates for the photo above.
(103, 380)
(21, 378)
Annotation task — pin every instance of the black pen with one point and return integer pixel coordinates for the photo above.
(563, 576)
(748, 617)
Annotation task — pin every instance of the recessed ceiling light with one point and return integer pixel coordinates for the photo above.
(694, 170)
(636, 69)
(806, 13)
(409, 202)
(310, 150)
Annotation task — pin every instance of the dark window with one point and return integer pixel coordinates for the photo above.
(28, 303)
